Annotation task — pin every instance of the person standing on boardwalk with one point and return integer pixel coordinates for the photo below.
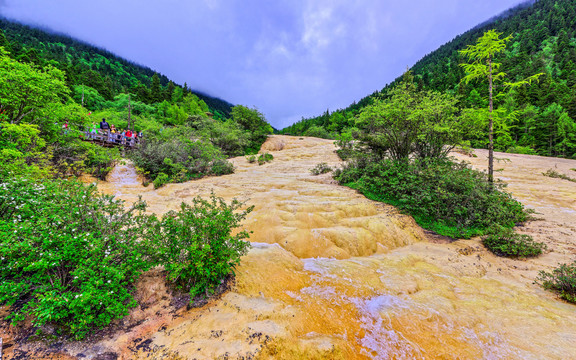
(93, 131)
(128, 137)
(104, 126)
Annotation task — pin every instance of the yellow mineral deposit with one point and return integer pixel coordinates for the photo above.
(332, 275)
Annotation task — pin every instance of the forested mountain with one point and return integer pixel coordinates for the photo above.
(55, 90)
(535, 119)
(88, 65)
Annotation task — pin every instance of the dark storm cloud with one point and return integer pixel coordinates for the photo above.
(288, 58)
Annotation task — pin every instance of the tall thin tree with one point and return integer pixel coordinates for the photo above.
(129, 114)
(481, 66)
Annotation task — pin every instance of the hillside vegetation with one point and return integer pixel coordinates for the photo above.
(87, 65)
(536, 119)
(55, 88)
(401, 157)
(69, 256)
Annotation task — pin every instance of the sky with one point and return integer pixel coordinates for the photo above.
(289, 58)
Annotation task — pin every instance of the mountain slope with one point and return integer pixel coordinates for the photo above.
(55, 90)
(89, 65)
(538, 118)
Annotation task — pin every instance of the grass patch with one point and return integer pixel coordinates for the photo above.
(321, 168)
(555, 174)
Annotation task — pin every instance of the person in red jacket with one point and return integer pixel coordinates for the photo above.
(128, 137)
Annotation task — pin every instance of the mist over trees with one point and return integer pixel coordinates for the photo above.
(85, 64)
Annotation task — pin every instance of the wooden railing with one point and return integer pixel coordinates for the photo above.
(106, 138)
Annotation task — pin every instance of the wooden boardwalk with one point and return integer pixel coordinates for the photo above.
(107, 139)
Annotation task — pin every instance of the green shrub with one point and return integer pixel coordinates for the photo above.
(222, 167)
(251, 159)
(346, 144)
(180, 159)
(161, 180)
(321, 168)
(75, 157)
(464, 148)
(227, 136)
(561, 280)
(447, 197)
(68, 255)
(254, 123)
(21, 151)
(526, 150)
(264, 158)
(319, 132)
(505, 242)
(197, 246)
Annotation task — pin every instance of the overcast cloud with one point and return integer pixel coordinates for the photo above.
(289, 58)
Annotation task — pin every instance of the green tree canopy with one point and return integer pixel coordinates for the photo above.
(25, 89)
(253, 121)
(410, 122)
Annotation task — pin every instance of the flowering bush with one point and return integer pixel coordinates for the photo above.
(70, 256)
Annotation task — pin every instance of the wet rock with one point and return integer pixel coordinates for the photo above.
(106, 356)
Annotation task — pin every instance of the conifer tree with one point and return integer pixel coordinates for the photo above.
(482, 66)
(4, 41)
(155, 89)
(169, 91)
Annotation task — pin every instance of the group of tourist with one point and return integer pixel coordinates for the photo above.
(108, 133)
(114, 135)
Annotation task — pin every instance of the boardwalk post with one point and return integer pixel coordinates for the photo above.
(129, 112)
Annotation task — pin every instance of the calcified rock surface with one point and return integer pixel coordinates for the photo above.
(554, 201)
(332, 275)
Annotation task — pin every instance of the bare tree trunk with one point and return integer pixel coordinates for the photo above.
(490, 126)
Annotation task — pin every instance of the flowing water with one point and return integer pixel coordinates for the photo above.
(333, 275)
